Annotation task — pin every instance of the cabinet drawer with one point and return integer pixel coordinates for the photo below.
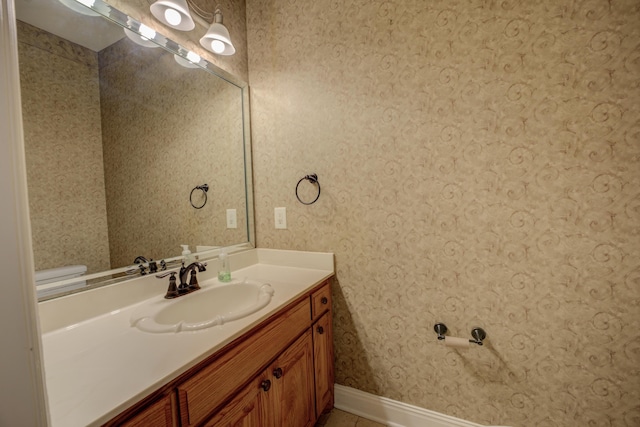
(321, 301)
(212, 385)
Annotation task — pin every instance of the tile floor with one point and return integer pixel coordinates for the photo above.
(338, 418)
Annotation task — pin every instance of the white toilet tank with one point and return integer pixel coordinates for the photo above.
(51, 275)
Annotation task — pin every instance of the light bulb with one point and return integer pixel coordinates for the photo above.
(172, 16)
(217, 46)
(146, 32)
(193, 57)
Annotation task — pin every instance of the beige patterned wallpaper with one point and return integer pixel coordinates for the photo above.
(234, 18)
(61, 115)
(480, 166)
(167, 129)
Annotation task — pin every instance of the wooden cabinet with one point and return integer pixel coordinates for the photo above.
(279, 374)
(247, 409)
(320, 301)
(323, 363)
(322, 348)
(240, 361)
(293, 385)
(160, 413)
(281, 396)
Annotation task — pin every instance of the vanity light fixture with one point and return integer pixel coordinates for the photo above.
(173, 13)
(190, 62)
(177, 14)
(144, 38)
(217, 39)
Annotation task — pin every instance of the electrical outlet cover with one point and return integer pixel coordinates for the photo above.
(280, 218)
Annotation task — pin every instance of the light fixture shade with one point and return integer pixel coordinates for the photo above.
(217, 39)
(173, 13)
(185, 63)
(83, 7)
(190, 61)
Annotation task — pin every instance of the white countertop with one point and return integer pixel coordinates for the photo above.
(100, 366)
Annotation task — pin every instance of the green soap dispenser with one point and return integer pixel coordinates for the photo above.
(224, 273)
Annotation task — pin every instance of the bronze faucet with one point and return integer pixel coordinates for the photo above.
(193, 283)
(183, 288)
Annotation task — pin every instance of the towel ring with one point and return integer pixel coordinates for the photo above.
(313, 179)
(204, 188)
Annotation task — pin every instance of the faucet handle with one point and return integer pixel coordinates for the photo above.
(172, 291)
(163, 275)
(193, 281)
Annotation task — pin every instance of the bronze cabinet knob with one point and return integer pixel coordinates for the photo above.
(265, 385)
(320, 330)
(277, 373)
(324, 300)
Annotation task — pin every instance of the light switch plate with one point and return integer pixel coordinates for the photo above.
(281, 218)
(232, 218)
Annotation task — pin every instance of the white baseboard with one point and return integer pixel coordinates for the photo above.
(390, 412)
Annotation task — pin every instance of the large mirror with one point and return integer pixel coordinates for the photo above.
(132, 149)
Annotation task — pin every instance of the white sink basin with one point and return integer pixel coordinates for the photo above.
(205, 308)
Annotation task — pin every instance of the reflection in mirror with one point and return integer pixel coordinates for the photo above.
(117, 135)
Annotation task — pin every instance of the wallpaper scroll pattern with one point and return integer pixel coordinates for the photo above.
(187, 131)
(480, 166)
(60, 90)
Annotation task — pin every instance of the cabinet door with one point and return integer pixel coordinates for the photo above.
(292, 377)
(205, 391)
(158, 414)
(248, 408)
(323, 362)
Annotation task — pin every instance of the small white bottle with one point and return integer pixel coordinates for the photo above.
(224, 273)
(186, 253)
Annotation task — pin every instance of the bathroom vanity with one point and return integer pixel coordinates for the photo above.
(271, 368)
(278, 374)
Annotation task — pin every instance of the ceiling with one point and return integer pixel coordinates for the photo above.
(92, 32)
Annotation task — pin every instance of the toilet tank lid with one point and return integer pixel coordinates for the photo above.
(53, 273)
